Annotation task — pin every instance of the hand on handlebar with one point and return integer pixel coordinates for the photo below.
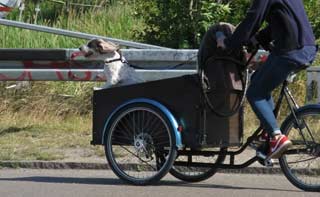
(253, 45)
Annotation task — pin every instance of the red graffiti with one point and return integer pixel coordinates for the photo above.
(25, 75)
(44, 65)
(59, 75)
(52, 65)
(5, 9)
(74, 77)
(63, 70)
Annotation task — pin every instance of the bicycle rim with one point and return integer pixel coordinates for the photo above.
(301, 163)
(196, 174)
(140, 146)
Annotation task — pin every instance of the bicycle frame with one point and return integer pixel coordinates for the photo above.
(293, 106)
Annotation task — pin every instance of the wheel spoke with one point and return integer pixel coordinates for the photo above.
(125, 127)
(155, 126)
(138, 157)
(130, 141)
(301, 163)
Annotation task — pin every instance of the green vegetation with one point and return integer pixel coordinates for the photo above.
(116, 21)
(52, 120)
(181, 24)
(47, 137)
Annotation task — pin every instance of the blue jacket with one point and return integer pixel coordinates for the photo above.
(287, 27)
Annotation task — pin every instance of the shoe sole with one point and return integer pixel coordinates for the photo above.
(278, 153)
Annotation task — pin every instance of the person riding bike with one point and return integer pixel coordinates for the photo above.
(289, 37)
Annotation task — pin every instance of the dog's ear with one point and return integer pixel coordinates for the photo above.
(106, 47)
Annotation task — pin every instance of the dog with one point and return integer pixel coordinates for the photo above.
(208, 47)
(116, 69)
(222, 75)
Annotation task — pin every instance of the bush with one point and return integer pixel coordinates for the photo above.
(181, 24)
(312, 7)
(178, 24)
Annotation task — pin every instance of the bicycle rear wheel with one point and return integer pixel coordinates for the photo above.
(301, 163)
(140, 144)
(190, 173)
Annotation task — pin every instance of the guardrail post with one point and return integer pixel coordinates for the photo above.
(313, 87)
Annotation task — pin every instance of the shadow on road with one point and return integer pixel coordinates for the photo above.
(115, 182)
(72, 180)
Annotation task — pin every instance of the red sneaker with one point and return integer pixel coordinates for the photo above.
(278, 146)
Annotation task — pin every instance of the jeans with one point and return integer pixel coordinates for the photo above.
(269, 76)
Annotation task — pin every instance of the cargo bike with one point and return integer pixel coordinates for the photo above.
(191, 127)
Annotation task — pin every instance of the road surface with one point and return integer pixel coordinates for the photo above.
(84, 183)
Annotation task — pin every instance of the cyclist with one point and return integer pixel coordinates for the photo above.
(289, 38)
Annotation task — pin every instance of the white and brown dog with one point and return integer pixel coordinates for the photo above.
(116, 69)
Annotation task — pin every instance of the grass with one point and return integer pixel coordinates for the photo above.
(46, 137)
(116, 21)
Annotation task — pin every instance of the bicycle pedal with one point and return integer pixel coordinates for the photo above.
(269, 163)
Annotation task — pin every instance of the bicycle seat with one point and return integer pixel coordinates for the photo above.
(293, 74)
(302, 67)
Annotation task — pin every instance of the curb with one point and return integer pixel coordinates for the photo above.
(105, 166)
(53, 165)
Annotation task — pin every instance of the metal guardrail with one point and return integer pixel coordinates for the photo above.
(65, 65)
(66, 69)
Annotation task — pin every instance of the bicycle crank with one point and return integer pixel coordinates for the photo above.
(264, 160)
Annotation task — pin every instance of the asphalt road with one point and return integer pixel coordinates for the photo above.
(78, 183)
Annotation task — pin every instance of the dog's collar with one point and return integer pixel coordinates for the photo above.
(121, 59)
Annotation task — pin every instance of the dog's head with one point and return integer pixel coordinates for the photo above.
(208, 47)
(98, 48)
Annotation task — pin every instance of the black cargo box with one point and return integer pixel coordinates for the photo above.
(182, 96)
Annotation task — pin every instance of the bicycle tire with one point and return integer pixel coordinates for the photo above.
(305, 150)
(196, 174)
(140, 144)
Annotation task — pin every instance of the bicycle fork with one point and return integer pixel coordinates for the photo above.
(300, 123)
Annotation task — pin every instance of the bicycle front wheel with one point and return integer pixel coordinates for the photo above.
(301, 163)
